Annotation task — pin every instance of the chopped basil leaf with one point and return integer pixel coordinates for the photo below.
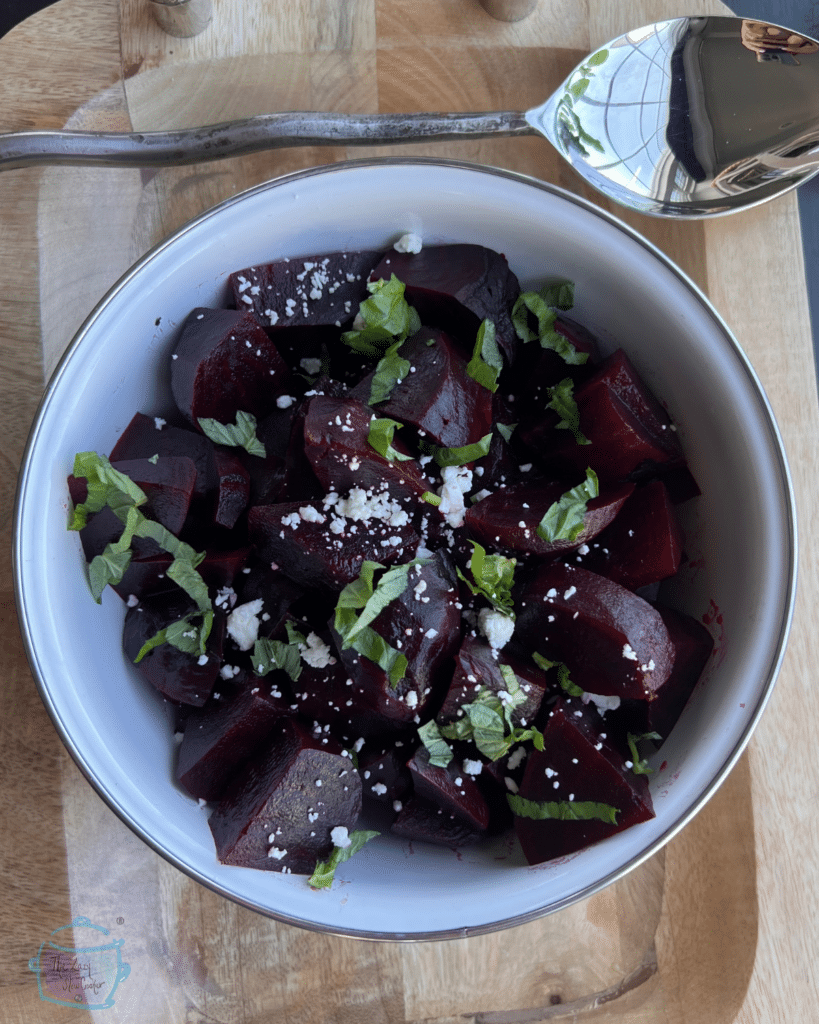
(486, 362)
(563, 677)
(459, 456)
(432, 499)
(391, 370)
(506, 430)
(370, 599)
(275, 654)
(638, 764)
(565, 518)
(154, 459)
(183, 634)
(241, 434)
(494, 576)
(561, 400)
(562, 810)
(322, 877)
(387, 316)
(543, 305)
(293, 635)
(380, 438)
(440, 752)
(109, 567)
(106, 486)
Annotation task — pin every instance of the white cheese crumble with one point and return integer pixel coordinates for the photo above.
(285, 401)
(340, 837)
(243, 624)
(275, 852)
(496, 627)
(457, 481)
(629, 652)
(410, 242)
(317, 653)
(310, 365)
(516, 758)
(472, 767)
(604, 702)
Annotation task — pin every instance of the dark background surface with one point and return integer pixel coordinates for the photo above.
(800, 15)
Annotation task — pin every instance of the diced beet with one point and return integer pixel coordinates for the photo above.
(325, 289)
(279, 811)
(384, 774)
(234, 488)
(693, 645)
(612, 641)
(223, 734)
(178, 676)
(498, 778)
(437, 396)
(421, 821)
(450, 788)
(427, 633)
(537, 369)
(508, 518)
(224, 362)
(577, 765)
(456, 287)
(146, 575)
(643, 545)
(298, 538)
(276, 590)
(168, 484)
(104, 527)
(335, 442)
(146, 436)
(478, 667)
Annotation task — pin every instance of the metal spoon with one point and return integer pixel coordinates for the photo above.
(685, 118)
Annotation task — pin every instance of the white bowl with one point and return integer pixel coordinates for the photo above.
(740, 534)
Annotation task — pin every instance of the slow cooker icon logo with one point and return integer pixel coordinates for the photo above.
(84, 974)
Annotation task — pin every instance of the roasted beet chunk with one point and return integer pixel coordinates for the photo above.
(384, 773)
(313, 290)
(455, 287)
(612, 641)
(508, 519)
(426, 632)
(437, 396)
(425, 822)
(147, 436)
(182, 678)
(577, 766)
(234, 488)
(224, 362)
(319, 549)
(450, 788)
(279, 812)
(336, 432)
(222, 735)
(147, 574)
(644, 543)
(478, 667)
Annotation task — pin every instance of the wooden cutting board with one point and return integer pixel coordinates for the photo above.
(720, 926)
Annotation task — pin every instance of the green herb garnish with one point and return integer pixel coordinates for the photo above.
(492, 577)
(563, 677)
(360, 602)
(561, 400)
(562, 810)
(387, 316)
(543, 305)
(241, 434)
(382, 431)
(459, 456)
(322, 877)
(565, 518)
(392, 369)
(638, 764)
(276, 654)
(440, 752)
(486, 362)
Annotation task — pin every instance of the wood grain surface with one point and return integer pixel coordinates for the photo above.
(716, 929)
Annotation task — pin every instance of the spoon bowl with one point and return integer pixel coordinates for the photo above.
(690, 117)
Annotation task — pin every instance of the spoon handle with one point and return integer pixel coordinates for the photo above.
(251, 135)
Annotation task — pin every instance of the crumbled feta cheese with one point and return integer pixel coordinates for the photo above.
(496, 627)
(340, 837)
(276, 853)
(604, 702)
(379, 789)
(310, 365)
(410, 242)
(311, 515)
(516, 758)
(284, 401)
(243, 624)
(629, 652)
(317, 653)
(472, 767)
(457, 481)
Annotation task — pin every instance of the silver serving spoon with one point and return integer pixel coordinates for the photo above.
(685, 118)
